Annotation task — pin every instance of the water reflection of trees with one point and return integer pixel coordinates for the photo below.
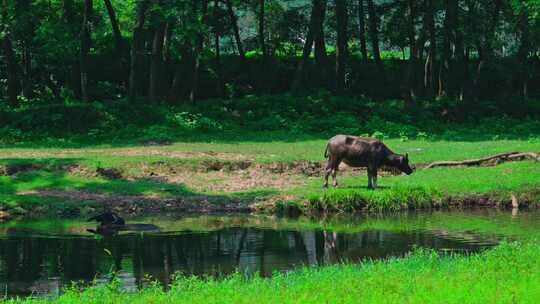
(27, 264)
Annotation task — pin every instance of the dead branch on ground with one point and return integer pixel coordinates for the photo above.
(489, 160)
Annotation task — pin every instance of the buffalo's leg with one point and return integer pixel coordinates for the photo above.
(372, 178)
(335, 169)
(328, 170)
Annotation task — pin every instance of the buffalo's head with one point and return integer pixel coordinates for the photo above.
(404, 166)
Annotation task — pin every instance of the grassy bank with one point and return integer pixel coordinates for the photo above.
(507, 274)
(235, 155)
(245, 177)
(490, 186)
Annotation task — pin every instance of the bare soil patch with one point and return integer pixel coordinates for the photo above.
(236, 181)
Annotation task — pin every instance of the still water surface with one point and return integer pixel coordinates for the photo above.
(40, 257)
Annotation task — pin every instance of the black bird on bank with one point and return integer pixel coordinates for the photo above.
(111, 223)
(108, 218)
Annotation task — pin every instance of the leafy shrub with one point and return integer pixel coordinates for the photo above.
(159, 133)
(195, 121)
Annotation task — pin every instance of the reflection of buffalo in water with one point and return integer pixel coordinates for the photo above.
(111, 223)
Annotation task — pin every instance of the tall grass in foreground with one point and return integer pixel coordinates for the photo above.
(509, 273)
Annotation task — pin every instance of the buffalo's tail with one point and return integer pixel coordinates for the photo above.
(326, 152)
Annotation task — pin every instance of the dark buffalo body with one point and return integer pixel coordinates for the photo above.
(362, 152)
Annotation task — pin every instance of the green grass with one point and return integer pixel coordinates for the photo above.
(422, 189)
(426, 188)
(295, 129)
(509, 273)
(420, 151)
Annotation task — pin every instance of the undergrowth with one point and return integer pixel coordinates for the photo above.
(279, 117)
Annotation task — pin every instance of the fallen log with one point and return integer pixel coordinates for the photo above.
(494, 159)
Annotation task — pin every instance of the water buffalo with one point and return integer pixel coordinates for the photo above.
(362, 152)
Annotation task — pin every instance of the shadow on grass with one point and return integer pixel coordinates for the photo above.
(38, 182)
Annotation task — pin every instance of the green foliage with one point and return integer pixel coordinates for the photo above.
(507, 273)
(320, 115)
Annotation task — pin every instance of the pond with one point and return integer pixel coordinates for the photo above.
(39, 257)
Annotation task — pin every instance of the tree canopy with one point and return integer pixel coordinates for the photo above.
(184, 50)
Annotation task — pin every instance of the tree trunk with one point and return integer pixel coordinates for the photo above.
(429, 81)
(521, 77)
(407, 88)
(72, 75)
(174, 91)
(374, 35)
(198, 50)
(85, 48)
(137, 50)
(465, 84)
(115, 28)
(13, 83)
(463, 58)
(220, 86)
(156, 62)
(236, 30)
(362, 30)
(119, 43)
(450, 28)
(68, 11)
(341, 45)
(27, 70)
(26, 26)
(298, 83)
(321, 57)
(195, 77)
(167, 42)
(318, 34)
(485, 47)
(262, 43)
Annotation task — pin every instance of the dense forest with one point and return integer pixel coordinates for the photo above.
(186, 50)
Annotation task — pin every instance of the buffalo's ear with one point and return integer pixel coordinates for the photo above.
(407, 156)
